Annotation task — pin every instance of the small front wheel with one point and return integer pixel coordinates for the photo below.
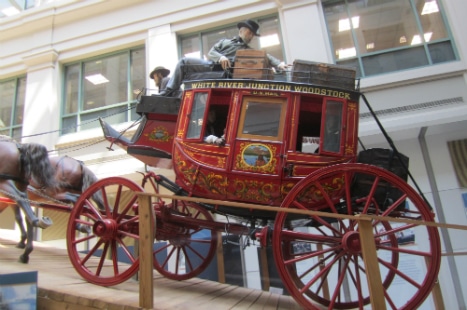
(108, 211)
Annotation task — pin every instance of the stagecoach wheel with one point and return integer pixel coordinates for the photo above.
(319, 258)
(107, 255)
(186, 249)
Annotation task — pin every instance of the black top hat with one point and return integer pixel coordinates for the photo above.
(165, 72)
(252, 25)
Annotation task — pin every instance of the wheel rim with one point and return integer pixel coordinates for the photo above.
(319, 258)
(187, 249)
(106, 256)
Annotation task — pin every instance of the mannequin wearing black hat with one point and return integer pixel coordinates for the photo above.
(223, 53)
(160, 75)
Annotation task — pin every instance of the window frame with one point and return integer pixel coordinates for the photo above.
(199, 35)
(127, 106)
(282, 101)
(13, 126)
(362, 60)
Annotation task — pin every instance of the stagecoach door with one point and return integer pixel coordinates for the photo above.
(258, 147)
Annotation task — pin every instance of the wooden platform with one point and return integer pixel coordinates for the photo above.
(61, 287)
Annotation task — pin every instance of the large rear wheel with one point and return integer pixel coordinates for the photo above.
(107, 254)
(319, 258)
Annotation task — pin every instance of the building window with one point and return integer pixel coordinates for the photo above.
(198, 45)
(12, 99)
(380, 36)
(14, 7)
(103, 87)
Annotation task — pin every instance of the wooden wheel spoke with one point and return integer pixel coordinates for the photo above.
(91, 252)
(188, 259)
(199, 240)
(313, 267)
(108, 210)
(326, 269)
(102, 259)
(329, 203)
(406, 251)
(400, 273)
(114, 253)
(126, 209)
(300, 236)
(342, 275)
(125, 250)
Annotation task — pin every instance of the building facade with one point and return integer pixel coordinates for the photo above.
(410, 56)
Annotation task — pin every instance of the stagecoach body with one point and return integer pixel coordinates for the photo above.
(287, 144)
(293, 129)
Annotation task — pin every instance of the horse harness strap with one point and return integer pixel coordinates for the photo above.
(13, 178)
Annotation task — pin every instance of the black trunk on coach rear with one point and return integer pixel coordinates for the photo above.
(387, 159)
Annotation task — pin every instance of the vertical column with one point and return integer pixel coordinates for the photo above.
(42, 109)
(161, 50)
(304, 31)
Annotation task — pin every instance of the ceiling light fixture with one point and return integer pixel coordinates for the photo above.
(97, 79)
(430, 7)
(10, 11)
(270, 40)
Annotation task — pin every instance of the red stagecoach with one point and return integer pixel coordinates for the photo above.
(287, 143)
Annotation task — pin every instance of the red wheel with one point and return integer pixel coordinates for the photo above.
(188, 248)
(106, 255)
(319, 258)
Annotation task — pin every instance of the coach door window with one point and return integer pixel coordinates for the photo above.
(262, 118)
(332, 126)
(196, 116)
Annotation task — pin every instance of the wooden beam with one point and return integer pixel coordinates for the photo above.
(220, 259)
(373, 275)
(436, 291)
(146, 242)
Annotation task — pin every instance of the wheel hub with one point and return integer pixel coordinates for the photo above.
(351, 242)
(105, 229)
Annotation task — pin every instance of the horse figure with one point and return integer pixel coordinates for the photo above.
(72, 178)
(20, 163)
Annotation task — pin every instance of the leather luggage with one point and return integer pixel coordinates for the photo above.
(252, 64)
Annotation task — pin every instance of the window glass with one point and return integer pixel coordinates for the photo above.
(105, 81)
(332, 126)
(394, 61)
(270, 39)
(262, 119)
(387, 35)
(7, 98)
(20, 100)
(71, 88)
(12, 99)
(211, 38)
(137, 75)
(191, 47)
(103, 87)
(195, 125)
(14, 7)
(431, 20)
(441, 52)
(381, 25)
